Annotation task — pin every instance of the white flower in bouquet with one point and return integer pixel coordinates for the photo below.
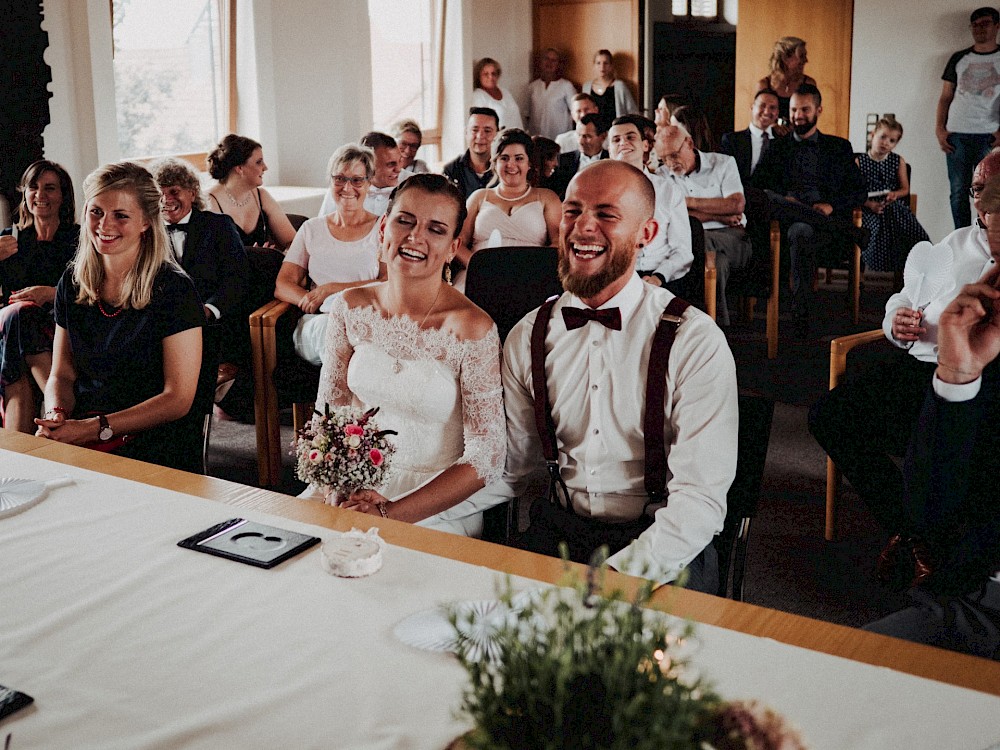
(342, 449)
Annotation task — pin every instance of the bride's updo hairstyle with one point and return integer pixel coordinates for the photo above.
(232, 151)
(435, 184)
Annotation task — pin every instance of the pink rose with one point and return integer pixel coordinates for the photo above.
(376, 456)
(353, 429)
(315, 456)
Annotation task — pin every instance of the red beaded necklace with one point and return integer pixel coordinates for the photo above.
(105, 313)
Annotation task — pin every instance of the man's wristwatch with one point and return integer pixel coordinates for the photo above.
(106, 433)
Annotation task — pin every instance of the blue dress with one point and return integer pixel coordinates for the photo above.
(896, 230)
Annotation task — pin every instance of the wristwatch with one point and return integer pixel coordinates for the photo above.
(106, 432)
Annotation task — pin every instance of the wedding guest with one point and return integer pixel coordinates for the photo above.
(237, 163)
(414, 328)
(409, 138)
(332, 253)
(550, 97)
(512, 212)
(127, 351)
(546, 160)
(788, 62)
(862, 424)
(471, 171)
(583, 104)
(666, 106)
(610, 94)
(208, 247)
(388, 172)
(487, 92)
(695, 122)
(951, 468)
(30, 266)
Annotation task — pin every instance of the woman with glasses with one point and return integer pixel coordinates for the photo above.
(409, 138)
(333, 252)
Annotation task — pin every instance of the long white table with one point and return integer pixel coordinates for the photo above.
(128, 641)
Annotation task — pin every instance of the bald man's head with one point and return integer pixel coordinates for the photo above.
(989, 167)
(607, 217)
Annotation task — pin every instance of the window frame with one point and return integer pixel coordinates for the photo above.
(227, 24)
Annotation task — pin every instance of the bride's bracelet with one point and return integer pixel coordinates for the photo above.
(956, 370)
(382, 510)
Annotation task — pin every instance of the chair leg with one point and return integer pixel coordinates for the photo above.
(832, 491)
(856, 285)
(206, 435)
(740, 558)
(772, 302)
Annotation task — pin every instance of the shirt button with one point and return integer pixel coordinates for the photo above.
(595, 343)
(597, 431)
(593, 387)
(593, 471)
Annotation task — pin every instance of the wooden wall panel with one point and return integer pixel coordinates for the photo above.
(581, 27)
(827, 28)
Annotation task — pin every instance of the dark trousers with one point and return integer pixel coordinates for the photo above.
(551, 524)
(865, 421)
(970, 623)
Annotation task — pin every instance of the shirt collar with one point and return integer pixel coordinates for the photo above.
(814, 138)
(757, 131)
(627, 300)
(187, 218)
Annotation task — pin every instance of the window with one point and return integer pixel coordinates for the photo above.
(171, 63)
(700, 9)
(403, 64)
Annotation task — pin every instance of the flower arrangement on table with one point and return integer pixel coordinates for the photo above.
(572, 669)
(342, 449)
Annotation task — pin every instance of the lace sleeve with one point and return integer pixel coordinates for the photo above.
(337, 353)
(483, 418)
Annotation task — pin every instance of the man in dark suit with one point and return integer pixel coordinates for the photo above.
(210, 250)
(590, 135)
(951, 498)
(747, 146)
(813, 185)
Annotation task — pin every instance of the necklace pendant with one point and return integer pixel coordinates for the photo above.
(397, 366)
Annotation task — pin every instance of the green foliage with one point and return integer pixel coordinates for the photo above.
(576, 670)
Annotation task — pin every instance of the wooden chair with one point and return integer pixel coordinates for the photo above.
(839, 349)
(731, 544)
(762, 277)
(508, 283)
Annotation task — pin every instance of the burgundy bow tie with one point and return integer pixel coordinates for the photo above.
(575, 317)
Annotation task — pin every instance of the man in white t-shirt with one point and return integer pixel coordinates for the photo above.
(549, 98)
(968, 111)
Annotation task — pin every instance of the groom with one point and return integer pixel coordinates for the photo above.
(594, 352)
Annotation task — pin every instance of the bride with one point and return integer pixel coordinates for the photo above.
(429, 358)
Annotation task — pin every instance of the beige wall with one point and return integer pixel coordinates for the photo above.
(904, 77)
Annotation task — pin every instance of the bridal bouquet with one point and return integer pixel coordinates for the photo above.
(343, 449)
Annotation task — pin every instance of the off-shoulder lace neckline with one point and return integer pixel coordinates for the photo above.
(371, 316)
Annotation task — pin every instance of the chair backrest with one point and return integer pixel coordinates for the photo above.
(756, 413)
(510, 282)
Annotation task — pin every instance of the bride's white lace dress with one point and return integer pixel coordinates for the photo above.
(441, 394)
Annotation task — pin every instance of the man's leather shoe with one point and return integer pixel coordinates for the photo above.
(888, 560)
(923, 565)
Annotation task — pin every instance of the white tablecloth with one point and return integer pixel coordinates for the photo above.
(128, 641)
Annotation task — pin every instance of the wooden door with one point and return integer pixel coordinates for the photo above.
(579, 28)
(825, 26)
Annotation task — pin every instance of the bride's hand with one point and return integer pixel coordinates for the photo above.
(364, 501)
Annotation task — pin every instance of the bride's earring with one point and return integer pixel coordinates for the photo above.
(447, 273)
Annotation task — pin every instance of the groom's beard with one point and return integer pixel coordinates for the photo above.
(620, 260)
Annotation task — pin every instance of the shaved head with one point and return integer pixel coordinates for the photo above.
(639, 187)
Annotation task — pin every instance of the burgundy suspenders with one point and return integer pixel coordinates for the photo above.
(653, 422)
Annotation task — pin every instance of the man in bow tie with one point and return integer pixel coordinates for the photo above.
(208, 247)
(595, 355)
